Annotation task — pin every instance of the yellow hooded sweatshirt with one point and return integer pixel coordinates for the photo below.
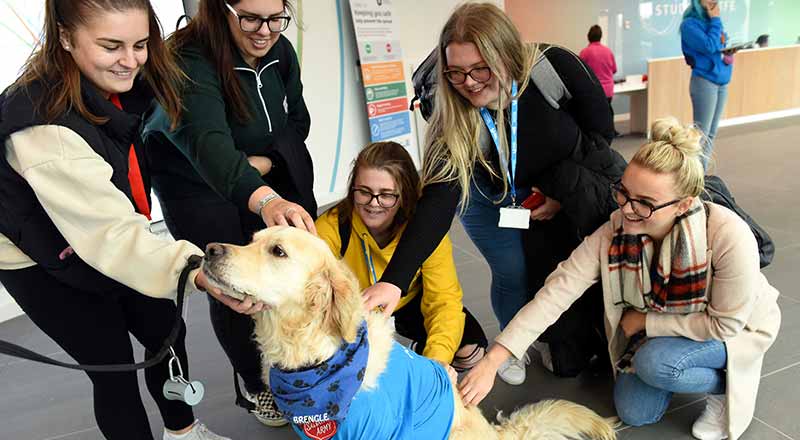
(436, 281)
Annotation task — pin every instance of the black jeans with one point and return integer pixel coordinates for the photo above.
(93, 328)
(206, 219)
(409, 323)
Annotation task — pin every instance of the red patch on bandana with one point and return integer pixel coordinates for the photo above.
(320, 430)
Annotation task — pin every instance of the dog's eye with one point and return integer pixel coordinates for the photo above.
(278, 251)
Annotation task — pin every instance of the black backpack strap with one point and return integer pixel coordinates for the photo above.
(345, 228)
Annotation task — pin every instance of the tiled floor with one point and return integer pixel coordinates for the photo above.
(760, 163)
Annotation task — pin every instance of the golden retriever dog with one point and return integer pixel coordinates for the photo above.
(314, 307)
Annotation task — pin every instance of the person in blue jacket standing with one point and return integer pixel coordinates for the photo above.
(703, 41)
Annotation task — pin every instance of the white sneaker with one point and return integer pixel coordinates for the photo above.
(199, 432)
(512, 371)
(713, 423)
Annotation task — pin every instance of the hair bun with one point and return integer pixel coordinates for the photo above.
(685, 139)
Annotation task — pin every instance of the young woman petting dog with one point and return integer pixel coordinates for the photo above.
(687, 309)
(75, 250)
(484, 84)
(383, 195)
(236, 160)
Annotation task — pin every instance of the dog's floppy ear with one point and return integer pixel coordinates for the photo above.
(338, 299)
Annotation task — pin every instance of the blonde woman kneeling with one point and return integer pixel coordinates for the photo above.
(687, 309)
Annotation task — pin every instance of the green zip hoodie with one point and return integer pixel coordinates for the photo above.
(209, 147)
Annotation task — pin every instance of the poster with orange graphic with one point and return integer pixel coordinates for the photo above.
(383, 72)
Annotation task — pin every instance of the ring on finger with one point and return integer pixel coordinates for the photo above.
(289, 211)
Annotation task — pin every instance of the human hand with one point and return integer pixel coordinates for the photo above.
(63, 255)
(713, 8)
(284, 212)
(633, 322)
(480, 379)
(247, 306)
(261, 163)
(548, 210)
(385, 295)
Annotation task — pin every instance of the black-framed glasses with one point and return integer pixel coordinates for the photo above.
(252, 23)
(479, 74)
(642, 208)
(385, 200)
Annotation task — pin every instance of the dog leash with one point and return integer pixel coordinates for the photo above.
(193, 263)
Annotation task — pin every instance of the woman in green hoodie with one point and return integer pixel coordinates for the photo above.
(237, 159)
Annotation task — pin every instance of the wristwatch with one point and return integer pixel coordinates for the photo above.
(264, 201)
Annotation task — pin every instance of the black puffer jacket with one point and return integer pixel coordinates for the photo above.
(565, 152)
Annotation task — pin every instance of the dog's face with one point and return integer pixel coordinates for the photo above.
(293, 272)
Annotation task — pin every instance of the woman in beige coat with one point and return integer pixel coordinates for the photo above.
(687, 309)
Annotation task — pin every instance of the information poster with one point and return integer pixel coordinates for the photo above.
(382, 71)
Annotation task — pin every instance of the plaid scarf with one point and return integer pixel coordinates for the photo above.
(677, 284)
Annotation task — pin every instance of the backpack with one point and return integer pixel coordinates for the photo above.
(717, 192)
(543, 75)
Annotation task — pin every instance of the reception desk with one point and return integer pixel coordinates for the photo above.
(764, 81)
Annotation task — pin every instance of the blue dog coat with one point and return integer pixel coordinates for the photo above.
(413, 400)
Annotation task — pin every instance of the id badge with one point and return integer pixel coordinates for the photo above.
(515, 217)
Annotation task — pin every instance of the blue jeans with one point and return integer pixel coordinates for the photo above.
(501, 247)
(664, 366)
(708, 102)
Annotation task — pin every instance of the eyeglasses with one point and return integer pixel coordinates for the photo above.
(642, 208)
(385, 200)
(252, 23)
(479, 74)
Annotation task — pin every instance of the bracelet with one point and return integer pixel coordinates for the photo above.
(265, 201)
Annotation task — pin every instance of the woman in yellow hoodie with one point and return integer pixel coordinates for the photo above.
(383, 192)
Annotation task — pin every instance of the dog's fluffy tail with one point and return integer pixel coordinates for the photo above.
(556, 420)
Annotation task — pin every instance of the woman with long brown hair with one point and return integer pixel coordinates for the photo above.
(75, 250)
(364, 229)
(236, 159)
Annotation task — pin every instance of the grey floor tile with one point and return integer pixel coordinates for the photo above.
(677, 424)
(778, 401)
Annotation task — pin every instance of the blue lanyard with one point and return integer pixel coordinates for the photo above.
(487, 118)
(370, 264)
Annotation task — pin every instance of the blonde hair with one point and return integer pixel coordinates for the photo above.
(453, 136)
(676, 149)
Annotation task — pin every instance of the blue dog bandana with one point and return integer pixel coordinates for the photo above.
(322, 392)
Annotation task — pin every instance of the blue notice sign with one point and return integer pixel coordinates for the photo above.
(389, 126)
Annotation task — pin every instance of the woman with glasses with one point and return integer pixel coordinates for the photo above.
(687, 309)
(236, 160)
(364, 229)
(474, 158)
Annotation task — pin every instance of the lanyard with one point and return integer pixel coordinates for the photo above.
(487, 118)
(370, 264)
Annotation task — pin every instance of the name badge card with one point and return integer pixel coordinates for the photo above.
(515, 217)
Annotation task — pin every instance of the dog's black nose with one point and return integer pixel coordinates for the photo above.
(214, 251)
